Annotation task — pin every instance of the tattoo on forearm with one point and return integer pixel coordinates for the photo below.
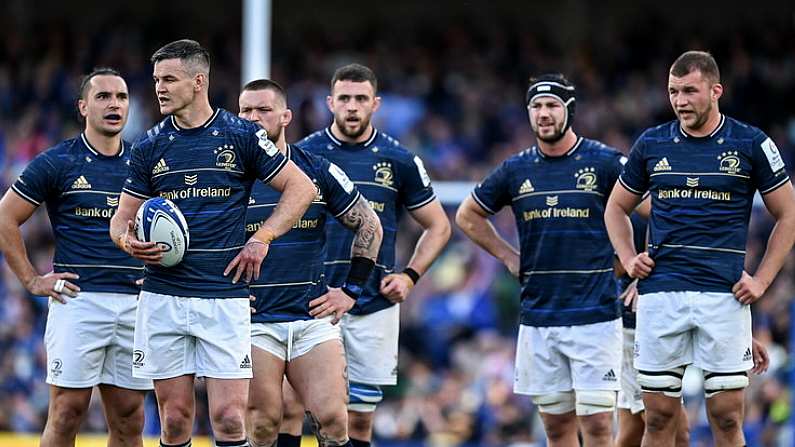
(361, 219)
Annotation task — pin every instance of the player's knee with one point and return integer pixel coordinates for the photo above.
(128, 423)
(590, 402)
(555, 403)
(598, 425)
(658, 420)
(176, 421)
(669, 383)
(364, 398)
(66, 417)
(331, 427)
(228, 419)
(263, 424)
(714, 383)
(682, 435)
(360, 424)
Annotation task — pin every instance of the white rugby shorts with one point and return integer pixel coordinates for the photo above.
(371, 346)
(290, 340)
(176, 336)
(709, 330)
(564, 358)
(89, 341)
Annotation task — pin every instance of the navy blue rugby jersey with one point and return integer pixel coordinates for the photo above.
(702, 193)
(292, 273)
(566, 257)
(392, 179)
(81, 188)
(208, 172)
(639, 225)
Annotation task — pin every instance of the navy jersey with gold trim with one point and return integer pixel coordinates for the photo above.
(292, 274)
(81, 188)
(566, 256)
(393, 180)
(208, 172)
(702, 192)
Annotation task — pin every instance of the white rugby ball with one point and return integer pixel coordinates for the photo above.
(160, 221)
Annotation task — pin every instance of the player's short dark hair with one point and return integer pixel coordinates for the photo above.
(99, 71)
(691, 61)
(355, 73)
(192, 55)
(266, 84)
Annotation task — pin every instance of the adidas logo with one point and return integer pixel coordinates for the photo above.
(161, 166)
(81, 183)
(662, 165)
(610, 376)
(748, 355)
(246, 363)
(526, 187)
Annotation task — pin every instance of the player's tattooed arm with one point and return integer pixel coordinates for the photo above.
(362, 220)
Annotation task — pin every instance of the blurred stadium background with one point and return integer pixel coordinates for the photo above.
(452, 76)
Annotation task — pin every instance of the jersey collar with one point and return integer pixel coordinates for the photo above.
(96, 152)
(339, 143)
(203, 126)
(712, 134)
(570, 151)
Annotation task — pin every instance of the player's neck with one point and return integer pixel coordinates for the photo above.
(709, 126)
(194, 115)
(281, 144)
(335, 130)
(560, 147)
(105, 145)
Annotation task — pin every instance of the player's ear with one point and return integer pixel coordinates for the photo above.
(286, 118)
(82, 107)
(199, 81)
(330, 104)
(717, 91)
(376, 103)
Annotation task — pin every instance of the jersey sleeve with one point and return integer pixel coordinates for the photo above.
(338, 190)
(416, 190)
(493, 192)
(634, 177)
(139, 179)
(262, 157)
(769, 171)
(615, 166)
(38, 182)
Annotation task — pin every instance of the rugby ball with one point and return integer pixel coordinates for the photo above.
(160, 221)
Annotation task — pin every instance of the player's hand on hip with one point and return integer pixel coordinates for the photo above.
(748, 289)
(334, 302)
(54, 285)
(149, 252)
(396, 287)
(630, 296)
(761, 359)
(639, 266)
(248, 262)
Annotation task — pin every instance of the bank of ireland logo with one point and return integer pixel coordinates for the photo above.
(383, 173)
(586, 179)
(138, 358)
(692, 182)
(112, 201)
(56, 367)
(729, 162)
(552, 200)
(225, 156)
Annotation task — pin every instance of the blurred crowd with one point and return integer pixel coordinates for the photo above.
(453, 92)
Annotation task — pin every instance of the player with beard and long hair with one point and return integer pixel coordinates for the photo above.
(568, 355)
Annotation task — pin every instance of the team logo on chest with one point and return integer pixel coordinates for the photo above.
(225, 156)
(729, 162)
(383, 173)
(318, 192)
(586, 179)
